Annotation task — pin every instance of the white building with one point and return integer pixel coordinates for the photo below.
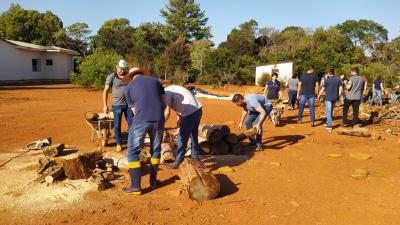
(24, 61)
(284, 70)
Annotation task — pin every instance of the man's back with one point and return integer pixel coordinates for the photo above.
(308, 82)
(356, 89)
(181, 100)
(331, 86)
(253, 101)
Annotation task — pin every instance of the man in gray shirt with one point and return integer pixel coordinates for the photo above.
(355, 88)
(119, 105)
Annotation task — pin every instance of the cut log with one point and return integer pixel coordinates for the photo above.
(80, 166)
(211, 133)
(232, 139)
(44, 164)
(205, 148)
(116, 159)
(91, 116)
(222, 148)
(100, 182)
(238, 149)
(57, 173)
(200, 184)
(53, 150)
(247, 134)
(360, 132)
(167, 153)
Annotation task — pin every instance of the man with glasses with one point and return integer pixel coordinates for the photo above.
(119, 106)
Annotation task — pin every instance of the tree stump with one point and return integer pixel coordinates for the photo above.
(221, 148)
(205, 148)
(80, 166)
(211, 133)
(200, 184)
(53, 150)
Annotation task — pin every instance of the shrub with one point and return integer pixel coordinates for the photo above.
(263, 80)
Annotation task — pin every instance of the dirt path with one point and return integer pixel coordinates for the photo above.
(293, 181)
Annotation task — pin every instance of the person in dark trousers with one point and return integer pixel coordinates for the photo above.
(146, 98)
(255, 108)
(273, 88)
(332, 89)
(292, 91)
(377, 91)
(115, 81)
(189, 111)
(308, 83)
(355, 88)
(343, 81)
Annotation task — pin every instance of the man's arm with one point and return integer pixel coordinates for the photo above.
(321, 92)
(316, 87)
(105, 97)
(348, 85)
(265, 90)
(382, 88)
(244, 114)
(167, 112)
(280, 94)
(298, 90)
(263, 116)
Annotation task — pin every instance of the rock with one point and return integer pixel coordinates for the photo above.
(363, 156)
(335, 155)
(294, 203)
(225, 169)
(175, 193)
(360, 174)
(275, 164)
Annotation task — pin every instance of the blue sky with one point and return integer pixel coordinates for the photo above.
(226, 14)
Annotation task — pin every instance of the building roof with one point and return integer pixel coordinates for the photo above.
(281, 62)
(33, 47)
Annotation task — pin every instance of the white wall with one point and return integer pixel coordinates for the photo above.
(285, 71)
(16, 64)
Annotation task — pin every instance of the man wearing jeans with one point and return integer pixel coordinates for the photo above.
(308, 83)
(146, 97)
(255, 108)
(189, 112)
(377, 91)
(119, 106)
(333, 88)
(355, 88)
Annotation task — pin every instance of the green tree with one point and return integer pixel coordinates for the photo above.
(198, 50)
(79, 33)
(242, 41)
(186, 19)
(177, 59)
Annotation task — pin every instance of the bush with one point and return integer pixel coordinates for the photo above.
(263, 80)
(95, 68)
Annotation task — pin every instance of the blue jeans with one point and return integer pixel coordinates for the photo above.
(189, 128)
(376, 93)
(118, 110)
(137, 133)
(394, 96)
(255, 116)
(303, 99)
(292, 98)
(329, 112)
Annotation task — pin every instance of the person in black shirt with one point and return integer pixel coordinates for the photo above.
(308, 83)
(273, 88)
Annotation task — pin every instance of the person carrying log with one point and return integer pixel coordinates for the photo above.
(355, 88)
(146, 98)
(332, 88)
(189, 111)
(255, 108)
(115, 81)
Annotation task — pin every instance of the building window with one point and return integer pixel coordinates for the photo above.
(36, 65)
(49, 62)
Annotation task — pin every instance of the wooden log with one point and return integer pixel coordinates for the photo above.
(221, 148)
(211, 133)
(80, 166)
(167, 153)
(116, 159)
(360, 132)
(44, 164)
(247, 134)
(53, 150)
(238, 149)
(100, 182)
(200, 184)
(205, 148)
(232, 139)
(57, 173)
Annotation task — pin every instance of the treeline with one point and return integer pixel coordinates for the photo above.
(181, 50)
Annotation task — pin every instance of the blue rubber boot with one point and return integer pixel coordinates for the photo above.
(153, 172)
(136, 178)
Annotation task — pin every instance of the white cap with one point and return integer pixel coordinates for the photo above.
(122, 64)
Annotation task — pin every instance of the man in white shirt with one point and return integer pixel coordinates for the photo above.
(189, 112)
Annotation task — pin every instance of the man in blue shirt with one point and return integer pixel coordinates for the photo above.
(377, 90)
(308, 83)
(273, 88)
(146, 98)
(333, 89)
(255, 108)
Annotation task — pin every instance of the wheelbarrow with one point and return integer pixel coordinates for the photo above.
(101, 128)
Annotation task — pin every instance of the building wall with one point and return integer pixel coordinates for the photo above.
(16, 64)
(285, 71)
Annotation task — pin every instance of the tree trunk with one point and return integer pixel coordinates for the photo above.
(205, 148)
(222, 148)
(53, 150)
(80, 166)
(238, 149)
(211, 133)
(201, 185)
(51, 177)
(359, 132)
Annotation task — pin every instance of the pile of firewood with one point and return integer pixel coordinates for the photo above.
(376, 114)
(218, 140)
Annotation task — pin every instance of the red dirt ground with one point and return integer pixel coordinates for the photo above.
(307, 188)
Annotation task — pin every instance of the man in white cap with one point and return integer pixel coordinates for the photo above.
(119, 105)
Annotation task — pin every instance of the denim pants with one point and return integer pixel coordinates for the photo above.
(329, 105)
(303, 99)
(189, 128)
(292, 98)
(394, 96)
(137, 133)
(255, 116)
(376, 93)
(118, 110)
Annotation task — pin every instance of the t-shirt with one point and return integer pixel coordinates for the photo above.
(117, 89)
(292, 84)
(308, 82)
(377, 85)
(182, 100)
(144, 93)
(273, 89)
(357, 87)
(331, 86)
(253, 101)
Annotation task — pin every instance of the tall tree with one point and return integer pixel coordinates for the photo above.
(79, 33)
(242, 41)
(186, 19)
(177, 59)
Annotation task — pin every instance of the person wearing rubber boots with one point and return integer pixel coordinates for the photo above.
(146, 98)
(189, 111)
